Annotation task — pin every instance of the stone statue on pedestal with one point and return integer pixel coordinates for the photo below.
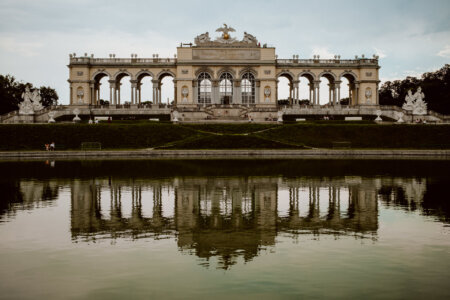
(415, 103)
(31, 102)
(420, 107)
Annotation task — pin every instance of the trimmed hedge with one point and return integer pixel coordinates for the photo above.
(222, 136)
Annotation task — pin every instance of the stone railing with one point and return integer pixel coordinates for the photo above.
(360, 61)
(119, 61)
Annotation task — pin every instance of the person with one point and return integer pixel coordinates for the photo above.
(109, 119)
(90, 121)
(96, 121)
(52, 146)
(47, 147)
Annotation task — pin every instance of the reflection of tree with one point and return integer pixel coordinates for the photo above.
(26, 194)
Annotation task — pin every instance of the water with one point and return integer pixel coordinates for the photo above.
(262, 229)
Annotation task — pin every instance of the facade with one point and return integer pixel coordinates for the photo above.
(223, 71)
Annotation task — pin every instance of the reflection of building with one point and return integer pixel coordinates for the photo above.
(226, 218)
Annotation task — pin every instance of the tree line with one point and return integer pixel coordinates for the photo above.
(435, 86)
(11, 94)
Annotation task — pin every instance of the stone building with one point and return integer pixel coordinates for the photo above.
(224, 70)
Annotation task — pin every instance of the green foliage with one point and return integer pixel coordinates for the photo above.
(11, 94)
(223, 136)
(232, 142)
(435, 85)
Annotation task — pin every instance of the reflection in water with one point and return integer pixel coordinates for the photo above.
(226, 217)
(223, 217)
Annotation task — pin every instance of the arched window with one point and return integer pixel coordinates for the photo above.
(204, 88)
(226, 88)
(248, 88)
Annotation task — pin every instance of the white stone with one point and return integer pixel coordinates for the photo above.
(378, 113)
(353, 118)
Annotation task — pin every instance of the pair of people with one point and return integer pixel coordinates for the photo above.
(50, 147)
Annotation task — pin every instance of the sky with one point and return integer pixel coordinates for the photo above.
(411, 37)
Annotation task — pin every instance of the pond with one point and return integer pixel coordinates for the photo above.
(311, 228)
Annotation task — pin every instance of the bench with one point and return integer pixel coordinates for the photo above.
(91, 146)
(300, 120)
(341, 145)
(154, 119)
(101, 118)
(353, 118)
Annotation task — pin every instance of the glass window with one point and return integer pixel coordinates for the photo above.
(248, 88)
(204, 88)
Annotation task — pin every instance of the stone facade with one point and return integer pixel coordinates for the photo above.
(253, 72)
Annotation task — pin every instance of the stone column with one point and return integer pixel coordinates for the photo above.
(237, 92)
(377, 95)
(296, 91)
(112, 92)
(155, 91)
(92, 94)
(357, 93)
(133, 91)
(338, 88)
(329, 93)
(215, 95)
(71, 95)
(257, 91)
(317, 96)
(195, 92)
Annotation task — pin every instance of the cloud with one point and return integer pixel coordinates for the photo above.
(322, 51)
(25, 48)
(445, 52)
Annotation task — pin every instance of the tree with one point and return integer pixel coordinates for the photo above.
(48, 96)
(11, 94)
(435, 86)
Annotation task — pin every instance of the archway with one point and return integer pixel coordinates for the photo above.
(204, 85)
(226, 88)
(101, 94)
(144, 88)
(123, 89)
(285, 89)
(349, 80)
(328, 93)
(306, 89)
(168, 90)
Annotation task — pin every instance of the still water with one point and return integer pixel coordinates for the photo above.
(115, 229)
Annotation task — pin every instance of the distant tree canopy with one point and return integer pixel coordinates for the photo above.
(435, 86)
(11, 94)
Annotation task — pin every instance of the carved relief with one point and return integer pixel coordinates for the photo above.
(368, 95)
(267, 93)
(184, 93)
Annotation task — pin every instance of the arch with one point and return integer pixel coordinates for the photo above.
(205, 70)
(248, 88)
(328, 74)
(142, 74)
(348, 74)
(307, 74)
(226, 70)
(247, 70)
(204, 86)
(165, 73)
(124, 73)
(288, 74)
(226, 88)
(102, 72)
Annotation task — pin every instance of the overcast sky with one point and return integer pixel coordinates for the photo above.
(36, 37)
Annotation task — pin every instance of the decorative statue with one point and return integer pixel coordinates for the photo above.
(415, 103)
(31, 102)
(280, 116)
(368, 95)
(420, 107)
(409, 101)
(378, 113)
(248, 38)
(225, 38)
(174, 116)
(267, 93)
(202, 38)
(400, 117)
(185, 93)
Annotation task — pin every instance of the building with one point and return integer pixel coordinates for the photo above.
(223, 71)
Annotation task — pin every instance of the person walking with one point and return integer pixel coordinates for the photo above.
(52, 146)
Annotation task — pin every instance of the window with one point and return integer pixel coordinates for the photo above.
(204, 88)
(226, 88)
(248, 88)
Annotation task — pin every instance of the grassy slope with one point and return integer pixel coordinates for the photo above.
(223, 136)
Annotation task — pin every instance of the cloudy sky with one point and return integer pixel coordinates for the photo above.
(36, 37)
